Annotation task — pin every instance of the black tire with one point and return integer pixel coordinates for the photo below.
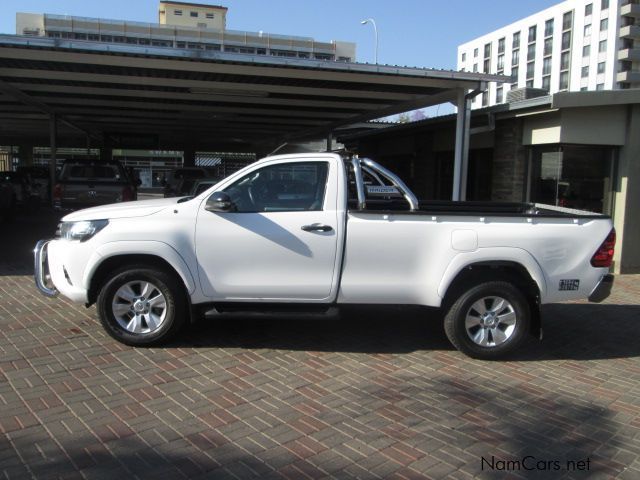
(167, 284)
(488, 345)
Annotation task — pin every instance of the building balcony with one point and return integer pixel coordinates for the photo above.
(629, 54)
(630, 31)
(629, 77)
(630, 10)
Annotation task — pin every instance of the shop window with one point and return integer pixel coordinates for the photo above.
(573, 176)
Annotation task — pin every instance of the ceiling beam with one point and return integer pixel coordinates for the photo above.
(187, 84)
(22, 97)
(155, 94)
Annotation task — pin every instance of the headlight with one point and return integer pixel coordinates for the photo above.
(81, 231)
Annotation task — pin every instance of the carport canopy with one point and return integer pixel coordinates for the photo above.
(131, 96)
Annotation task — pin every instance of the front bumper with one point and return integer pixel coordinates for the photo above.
(54, 269)
(602, 290)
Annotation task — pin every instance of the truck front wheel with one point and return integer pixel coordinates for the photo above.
(142, 306)
(488, 320)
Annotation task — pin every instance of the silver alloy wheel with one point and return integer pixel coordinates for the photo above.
(490, 321)
(139, 307)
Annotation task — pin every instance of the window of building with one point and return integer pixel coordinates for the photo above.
(475, 67)
(515, 57)
(475, 52)
(548, 46)
(485, 98)
(514, 77)
(567, 20)
(604, 4)
(604, 24)
(587, 30)
(600, 86)
(210, 15)
(529, 83)
(588, 9)
(501, 45)
(564, 80)
(500, 62)
(585, 72)
(601, 67)
(487, 50)
(546, 82)
(487, 65)
(464, 57)
(566, 40)
(532, 34)
(573, 176)
(202, 25)
(194, 14)
(546, 66)
(548, 28)
(516, 40)
(564, 61)
(602, 47)
(177, 13)
(531, 52)
(499, 95)
(530, 69)
(586, 50)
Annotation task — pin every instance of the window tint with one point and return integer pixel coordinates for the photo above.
(103, 172)
(284, 187)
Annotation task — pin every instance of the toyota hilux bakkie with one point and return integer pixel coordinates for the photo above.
(323, 230)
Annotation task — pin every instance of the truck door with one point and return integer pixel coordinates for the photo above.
(280, 240)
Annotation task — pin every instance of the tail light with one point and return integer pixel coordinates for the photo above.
(127, 194)
(58, 190)
(604, 255)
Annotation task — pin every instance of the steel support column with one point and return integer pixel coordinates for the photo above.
(329, 142)
(462, 147)
(53, 142)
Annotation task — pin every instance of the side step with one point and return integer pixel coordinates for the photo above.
(278, 309)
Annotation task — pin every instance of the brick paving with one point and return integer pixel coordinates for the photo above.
(377, 393)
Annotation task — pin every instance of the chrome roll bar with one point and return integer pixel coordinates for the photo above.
(374, 167)
(39, 267)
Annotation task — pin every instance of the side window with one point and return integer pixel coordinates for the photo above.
(284, 187)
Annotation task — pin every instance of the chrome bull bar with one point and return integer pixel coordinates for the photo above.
(40, 268)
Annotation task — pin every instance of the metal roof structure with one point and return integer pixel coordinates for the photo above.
(133, 96)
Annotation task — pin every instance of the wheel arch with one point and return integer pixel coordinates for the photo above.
(101, 271)
(506, 270)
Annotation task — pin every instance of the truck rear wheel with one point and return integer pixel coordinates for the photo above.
(142, 306)
(488, 320)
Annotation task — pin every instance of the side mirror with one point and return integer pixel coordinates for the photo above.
(219, 202)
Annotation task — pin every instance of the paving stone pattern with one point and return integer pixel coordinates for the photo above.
(376, 393)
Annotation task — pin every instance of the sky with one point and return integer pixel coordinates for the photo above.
(417, 33)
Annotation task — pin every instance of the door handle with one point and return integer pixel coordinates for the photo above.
(316, 227)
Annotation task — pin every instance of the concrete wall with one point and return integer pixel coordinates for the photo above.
(29, 24)
(627, 197)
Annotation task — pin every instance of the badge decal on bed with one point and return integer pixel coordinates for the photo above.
(570, 284)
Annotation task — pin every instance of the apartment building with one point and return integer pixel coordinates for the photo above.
(183, 25)
(572, 46)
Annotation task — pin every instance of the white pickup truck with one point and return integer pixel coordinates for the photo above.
(315, 231)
